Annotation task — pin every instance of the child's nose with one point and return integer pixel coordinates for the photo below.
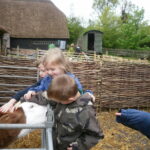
(41, 74)
(50, 72)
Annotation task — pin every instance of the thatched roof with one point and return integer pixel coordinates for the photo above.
(2, 30)
(32, 19)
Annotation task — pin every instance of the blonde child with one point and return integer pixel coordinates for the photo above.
(56, 64)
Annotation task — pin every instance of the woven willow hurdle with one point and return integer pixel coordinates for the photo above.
(115, 83)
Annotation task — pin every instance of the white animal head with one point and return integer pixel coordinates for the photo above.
(35, 114)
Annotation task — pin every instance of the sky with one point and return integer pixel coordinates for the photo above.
(83, 8)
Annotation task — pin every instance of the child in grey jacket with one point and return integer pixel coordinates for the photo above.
(75, 127)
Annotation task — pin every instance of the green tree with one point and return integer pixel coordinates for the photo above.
(109, 24)
(126, 30)
(101, 5)
(108, 21)
(133, 30)
(75, 29)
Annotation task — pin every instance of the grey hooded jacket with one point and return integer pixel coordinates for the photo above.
(76, 124)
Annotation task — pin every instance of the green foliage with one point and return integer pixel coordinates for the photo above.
(75, 29)
(127, 31)
(109, 24)
(133, 31)
(101, 5)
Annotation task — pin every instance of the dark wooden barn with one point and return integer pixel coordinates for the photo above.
(91, 41)
(31, 24)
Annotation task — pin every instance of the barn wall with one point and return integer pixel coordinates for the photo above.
(26, 43)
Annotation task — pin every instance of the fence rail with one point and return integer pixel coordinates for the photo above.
(15, 74)
(142, 54)
(30, 54)
(21, 77)
(47, 142)
(18, 67)
(14, 85)
(26, 149)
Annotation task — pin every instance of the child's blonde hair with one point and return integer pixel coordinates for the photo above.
(55, 56)
(39, 61)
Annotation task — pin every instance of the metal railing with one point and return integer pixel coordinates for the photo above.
(11, 87)
(47, 141)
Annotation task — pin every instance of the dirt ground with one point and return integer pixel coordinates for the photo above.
(117, 137)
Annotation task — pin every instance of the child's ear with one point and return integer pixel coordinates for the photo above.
(72, 99)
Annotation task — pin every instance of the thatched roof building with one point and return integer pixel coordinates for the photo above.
(32, 19)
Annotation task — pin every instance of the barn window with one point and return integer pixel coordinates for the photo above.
(41, 42)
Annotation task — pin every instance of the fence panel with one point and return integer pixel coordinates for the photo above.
(15, 74)
(115, 82)
(142, 54)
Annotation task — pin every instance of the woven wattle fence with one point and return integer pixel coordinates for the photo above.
(125, 85)
(115, 84)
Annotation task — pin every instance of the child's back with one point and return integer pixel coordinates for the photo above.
(76, 124)
(75, 120)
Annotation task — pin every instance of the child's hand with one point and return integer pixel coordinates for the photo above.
(118, 114)
(29, 95)
(93, 97)
(69, 148)
(72, 146)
